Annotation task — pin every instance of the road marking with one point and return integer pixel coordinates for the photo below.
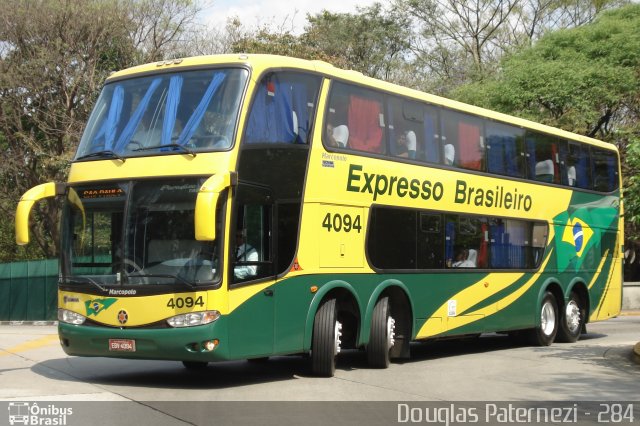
(32, 344)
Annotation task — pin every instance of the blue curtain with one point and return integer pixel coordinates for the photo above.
(300, 102)
(499, 246)
(109, 126)
(449, 240)
(195, 119)
(173, 99)
(530, 149)
(582, 168)
(495, 154)
(134, 121)
(431, 149)
(271, 118)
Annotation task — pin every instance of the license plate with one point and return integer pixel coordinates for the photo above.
(122, 345)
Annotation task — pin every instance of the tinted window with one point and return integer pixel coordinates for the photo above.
(407, 239)
(543, 161)
(462, 140)
(282, 109)
(505, 149)
(355, 119)
(604, 170)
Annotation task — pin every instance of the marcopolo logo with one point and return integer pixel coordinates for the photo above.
(33, 414)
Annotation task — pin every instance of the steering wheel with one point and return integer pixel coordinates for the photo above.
(128, 262)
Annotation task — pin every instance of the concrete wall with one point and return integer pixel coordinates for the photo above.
(631, 296)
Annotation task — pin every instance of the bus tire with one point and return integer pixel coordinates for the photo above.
(325, 344)
(545, 333)
(572, 319)
(381, 337)
(195, 365)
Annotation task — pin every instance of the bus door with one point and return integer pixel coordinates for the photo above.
(251, 324)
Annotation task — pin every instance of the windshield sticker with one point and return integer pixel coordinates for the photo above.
(94, 307)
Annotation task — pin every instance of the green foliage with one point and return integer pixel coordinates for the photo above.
(54, 58)
(371, 41)
(585, 80)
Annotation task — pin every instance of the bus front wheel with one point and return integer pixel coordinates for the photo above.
(545, 333)
(381, 338)
(572, 320)
(325, 344)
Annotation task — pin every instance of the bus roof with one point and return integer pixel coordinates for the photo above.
(260, 62)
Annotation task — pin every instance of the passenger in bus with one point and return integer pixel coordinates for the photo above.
(244, 253)
(338, 136)
(406, 145)
(460, 258)
(449, 154)
(466, 259)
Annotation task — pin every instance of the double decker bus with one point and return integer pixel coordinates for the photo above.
(245, 206)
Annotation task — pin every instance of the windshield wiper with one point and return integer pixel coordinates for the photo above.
(105, 153)
(169, 145)
(83, 280)
(175, 277)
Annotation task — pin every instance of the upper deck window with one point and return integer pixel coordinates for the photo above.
(193, 110)
(283, 108)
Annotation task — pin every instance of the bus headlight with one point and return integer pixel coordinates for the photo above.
(70, 317)
(193, 318)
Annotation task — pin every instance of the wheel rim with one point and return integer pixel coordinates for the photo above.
(572, 315)
(337, 333)
(391, 332)
(547, 319)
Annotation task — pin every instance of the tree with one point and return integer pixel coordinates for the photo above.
(585, 80)
(54, 56)
(463, 41)
(372, 41)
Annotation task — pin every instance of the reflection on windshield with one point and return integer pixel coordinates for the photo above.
(196, 110)
(136, 233)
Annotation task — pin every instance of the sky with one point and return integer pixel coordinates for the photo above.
(290, 13)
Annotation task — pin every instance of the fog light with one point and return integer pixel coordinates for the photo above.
(210, 345)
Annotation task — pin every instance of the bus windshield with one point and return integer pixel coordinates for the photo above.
(168, 113)
(136, 233)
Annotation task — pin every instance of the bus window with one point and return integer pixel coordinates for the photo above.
(251, 255)
(577, 166)
(543, 160)
(405, 128)
(604, 170)
(504, 149)
(463, 140)
(432, 148)
(392, 238)
(359, 115)
(430, 242)
(283, 108)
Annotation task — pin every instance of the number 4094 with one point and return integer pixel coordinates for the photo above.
(341, 223)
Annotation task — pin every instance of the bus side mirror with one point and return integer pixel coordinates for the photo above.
(206, 202)
(37, 193)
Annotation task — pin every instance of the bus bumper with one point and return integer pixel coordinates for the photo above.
(177, 344)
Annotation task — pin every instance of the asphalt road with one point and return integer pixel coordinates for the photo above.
(599, 367)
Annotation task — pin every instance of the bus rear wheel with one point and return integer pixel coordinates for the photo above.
(572, 320)
(325, 344)
(545, 333)
(381, 338)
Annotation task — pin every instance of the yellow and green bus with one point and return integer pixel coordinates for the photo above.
(246, 206)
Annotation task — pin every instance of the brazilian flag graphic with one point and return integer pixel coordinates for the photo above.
(95, 306)
(578, 235)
